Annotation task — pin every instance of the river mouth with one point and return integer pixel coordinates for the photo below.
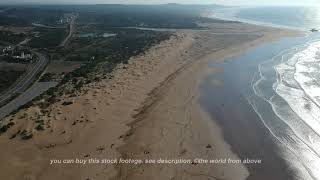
(248, 105)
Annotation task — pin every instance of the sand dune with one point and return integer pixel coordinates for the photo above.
(149, 110)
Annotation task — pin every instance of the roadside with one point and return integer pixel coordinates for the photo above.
(72, 29)
(26, 80)
(17, 93)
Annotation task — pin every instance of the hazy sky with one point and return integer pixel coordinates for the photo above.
(227, 2)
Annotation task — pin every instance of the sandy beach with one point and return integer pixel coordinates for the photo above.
(149, 109)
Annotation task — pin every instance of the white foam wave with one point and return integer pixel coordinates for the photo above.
(302, 137)
(308, 72)
(298, 84)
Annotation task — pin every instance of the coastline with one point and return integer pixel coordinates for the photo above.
(167, 111)
(149, 109)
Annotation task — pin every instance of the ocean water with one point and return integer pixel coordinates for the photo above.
(304, 18)
(289, 83)
(280, 82)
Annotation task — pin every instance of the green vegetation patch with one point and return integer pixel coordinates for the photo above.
(7, 78)
(11, 38)
(114, 49)
(47, 38)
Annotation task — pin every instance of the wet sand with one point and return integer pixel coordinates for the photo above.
(149, 110)
(248, 136)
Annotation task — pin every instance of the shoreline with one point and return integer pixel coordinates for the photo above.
(149, 109)
(153, 113)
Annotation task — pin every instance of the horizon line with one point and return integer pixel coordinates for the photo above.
(155, 4)
(38, 3)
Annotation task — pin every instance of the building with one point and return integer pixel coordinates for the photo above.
(17, 53)
(23, 55)
(7, 50)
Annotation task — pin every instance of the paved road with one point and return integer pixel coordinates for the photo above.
(26, 80)
(20, 87)
(71, 31)
(34, 91)
(45, 26)
(24, 42)
(23, 83)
